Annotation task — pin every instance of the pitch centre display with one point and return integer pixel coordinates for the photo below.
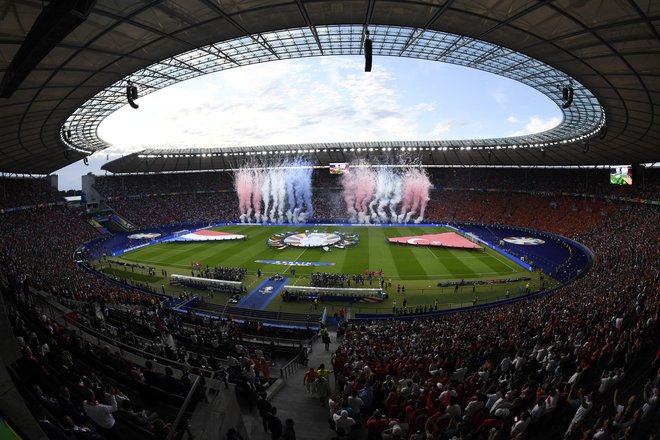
(312, 239)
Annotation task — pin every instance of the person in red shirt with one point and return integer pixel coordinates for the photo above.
(309, 379)
(376, 424)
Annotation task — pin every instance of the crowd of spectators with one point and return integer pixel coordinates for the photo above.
(455, 204)
(171, 336)
(497, 373)
(37, 247)
(178, 209)
(15, 192)
(585, 180)
(122, 186)
(544, 367)
(560, 215)
(71, 396)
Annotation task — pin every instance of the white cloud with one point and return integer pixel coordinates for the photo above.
(424, 107)
(330, 99)
(444, 127)
(499, 97)
(326, 100)
(536, 124)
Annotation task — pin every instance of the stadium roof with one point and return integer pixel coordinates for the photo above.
(611, 48)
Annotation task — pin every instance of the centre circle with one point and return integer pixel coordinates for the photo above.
(313, 239)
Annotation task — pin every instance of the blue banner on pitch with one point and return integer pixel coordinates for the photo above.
(295, 263)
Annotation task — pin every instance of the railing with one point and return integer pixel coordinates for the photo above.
(93, 333)
(44, 306)
(217, 311)
(291, 367)
(182, 410)
(251, 338)
(141, 353)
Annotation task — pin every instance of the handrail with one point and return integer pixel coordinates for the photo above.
(290, 367)
(142, 353)
(242, 314)
(182, 410)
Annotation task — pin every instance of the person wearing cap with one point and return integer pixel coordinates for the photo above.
(343, 423)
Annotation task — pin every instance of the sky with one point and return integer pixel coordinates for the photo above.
(325, 99)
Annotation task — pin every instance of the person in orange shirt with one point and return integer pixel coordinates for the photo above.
(309, 379)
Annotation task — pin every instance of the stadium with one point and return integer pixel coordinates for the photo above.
(480, 288)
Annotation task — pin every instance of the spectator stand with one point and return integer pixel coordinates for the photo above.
(193, 414)
(205, 336)
(84, 360)
(104, 334)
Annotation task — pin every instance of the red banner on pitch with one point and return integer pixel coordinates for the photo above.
(447, 239)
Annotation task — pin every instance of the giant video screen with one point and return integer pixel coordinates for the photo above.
(338, 168)
(621, 175)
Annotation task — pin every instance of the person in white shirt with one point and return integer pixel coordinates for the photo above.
(355, 403)
(651, 398)
(538, 411)
(453, 409)
(343, 423)
(474, 407)
(585, 407)
(101, 414)
(449, 392)
(609, 380)
(492, 398)
(459, 374)
(521, 424)
(519, 362)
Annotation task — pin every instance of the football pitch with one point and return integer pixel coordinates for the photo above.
(418, 268)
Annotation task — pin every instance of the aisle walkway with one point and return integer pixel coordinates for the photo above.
(292, 401)
(263, 294)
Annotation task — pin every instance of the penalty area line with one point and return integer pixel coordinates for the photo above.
(503, 259)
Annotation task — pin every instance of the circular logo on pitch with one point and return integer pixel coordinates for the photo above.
(313, 239)
(524, 241)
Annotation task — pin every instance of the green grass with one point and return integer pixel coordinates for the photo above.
(418, 268)
(131, 275)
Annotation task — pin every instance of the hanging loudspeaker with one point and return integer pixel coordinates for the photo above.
(367, 53)
(132, 95)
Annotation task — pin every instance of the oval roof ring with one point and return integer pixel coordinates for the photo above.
(582, 119)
